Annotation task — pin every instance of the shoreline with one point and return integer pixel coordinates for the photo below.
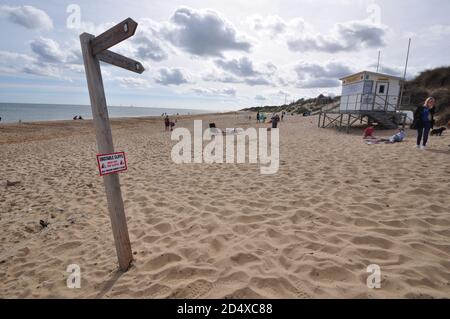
(115, 112)
(11, 133)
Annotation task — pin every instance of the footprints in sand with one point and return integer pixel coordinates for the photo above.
(67, 246)
(227, 231)
(244, 258)
(372, 241)
(161, 261)
(163, 227)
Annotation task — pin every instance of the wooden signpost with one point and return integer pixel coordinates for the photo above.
(95, 49)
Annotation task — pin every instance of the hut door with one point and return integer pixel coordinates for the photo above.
(381, 96)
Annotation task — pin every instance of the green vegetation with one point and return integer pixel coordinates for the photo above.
(300, 106)
(436, 83)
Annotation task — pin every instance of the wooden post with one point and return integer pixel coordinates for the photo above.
(320, 116)
(105, 146)
(348, 123)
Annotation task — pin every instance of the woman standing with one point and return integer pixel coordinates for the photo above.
(424, 121)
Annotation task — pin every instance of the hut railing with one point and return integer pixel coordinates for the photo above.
(370, 103)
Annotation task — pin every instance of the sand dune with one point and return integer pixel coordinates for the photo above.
(225, 231)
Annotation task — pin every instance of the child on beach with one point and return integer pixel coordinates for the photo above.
(397, 138)
(368, 133)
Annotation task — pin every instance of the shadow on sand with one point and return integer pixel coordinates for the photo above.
(110, 283)
(436, 151)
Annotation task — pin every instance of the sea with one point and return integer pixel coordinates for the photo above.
(15, 112)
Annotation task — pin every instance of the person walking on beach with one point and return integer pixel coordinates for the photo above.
(167, 123)
(275, 120)
(424, 121)
(257, 117)
(262, 117)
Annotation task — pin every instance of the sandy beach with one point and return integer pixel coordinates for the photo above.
(335, 207)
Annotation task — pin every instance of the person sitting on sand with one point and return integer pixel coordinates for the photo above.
(397, 138)
(368, 133)
(80, 118)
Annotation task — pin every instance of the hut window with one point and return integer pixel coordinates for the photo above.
(382, 89)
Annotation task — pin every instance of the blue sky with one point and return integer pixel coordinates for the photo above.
(215, 55)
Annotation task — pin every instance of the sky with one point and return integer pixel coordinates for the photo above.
(216, 55)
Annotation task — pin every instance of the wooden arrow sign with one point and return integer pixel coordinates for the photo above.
(120, 61)
(111, 37)
(95, 49)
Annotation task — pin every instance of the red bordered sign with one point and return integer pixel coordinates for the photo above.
(111, 163)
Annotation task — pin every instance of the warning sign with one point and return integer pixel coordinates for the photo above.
(111, 163)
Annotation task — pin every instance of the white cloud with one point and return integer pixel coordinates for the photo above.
(149, 48)
(136, 83)
(283, 93)
(48, 50)
(311, 75)
(439, 30)
(349, 36)
(242, 67)
(214, 92)
(18, 63)
(42, 69)
(148, 43)
(47, 59)
(274, 26)
(269, 25)
(242, 71)
(258, 81)
(219, 77)
(204, 33)
(302, 37)
(27, 16)
(13, 62)
(223, 48)
(171, 76)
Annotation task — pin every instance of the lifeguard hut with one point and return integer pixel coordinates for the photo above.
(366, 96)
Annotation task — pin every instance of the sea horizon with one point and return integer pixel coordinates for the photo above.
(13, 112)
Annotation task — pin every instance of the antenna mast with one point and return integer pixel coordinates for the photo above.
(407, 59)
(404, 74)
(379, 57)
